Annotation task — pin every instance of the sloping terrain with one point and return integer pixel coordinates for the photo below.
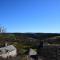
(23, 41)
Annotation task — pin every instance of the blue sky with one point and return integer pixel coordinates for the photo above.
(30, 15)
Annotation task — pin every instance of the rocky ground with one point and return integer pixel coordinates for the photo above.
(10, 58)
(21, 58)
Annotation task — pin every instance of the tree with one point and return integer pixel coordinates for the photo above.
(2, 29)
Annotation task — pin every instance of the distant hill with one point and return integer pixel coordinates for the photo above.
(21, 36)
